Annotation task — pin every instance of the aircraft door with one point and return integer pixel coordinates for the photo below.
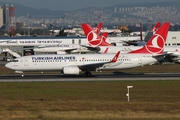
(26, 62)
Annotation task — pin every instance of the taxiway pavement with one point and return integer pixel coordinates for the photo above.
(96, 77)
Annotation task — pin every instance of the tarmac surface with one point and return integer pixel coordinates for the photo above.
(96, 77)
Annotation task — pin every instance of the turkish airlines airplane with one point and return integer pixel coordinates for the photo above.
(60, 45)
(71, 48)
(74, 64)
(156, 27)
(153, 31)
(174, 51)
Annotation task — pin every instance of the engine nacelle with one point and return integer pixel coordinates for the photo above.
(61, 52)
(71, 70)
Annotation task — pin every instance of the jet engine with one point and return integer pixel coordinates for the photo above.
(61, 52)
(71, 70)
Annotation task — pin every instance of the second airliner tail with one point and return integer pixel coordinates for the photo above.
(157, 42)
(93, 37)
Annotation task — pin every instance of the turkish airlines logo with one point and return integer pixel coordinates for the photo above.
(96, 30)
(157, 44)
(94, 39)
(154, 29)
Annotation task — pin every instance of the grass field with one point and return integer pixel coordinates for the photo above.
(149, 100)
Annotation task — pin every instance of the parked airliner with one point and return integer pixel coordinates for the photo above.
(174, 51)
(60, 45)
(74, 64)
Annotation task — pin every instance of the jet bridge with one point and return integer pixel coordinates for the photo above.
(7, 50)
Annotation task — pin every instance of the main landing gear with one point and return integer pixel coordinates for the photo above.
(88, 73)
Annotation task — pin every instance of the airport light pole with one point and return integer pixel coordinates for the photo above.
(128, 95)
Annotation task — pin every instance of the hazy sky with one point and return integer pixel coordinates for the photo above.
(72, 4)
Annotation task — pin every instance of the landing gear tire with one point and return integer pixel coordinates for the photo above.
(88, 74)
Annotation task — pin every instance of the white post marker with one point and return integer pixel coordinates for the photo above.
(128, 96)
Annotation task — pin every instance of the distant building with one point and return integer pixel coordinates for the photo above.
(115, 9)
(6, 17)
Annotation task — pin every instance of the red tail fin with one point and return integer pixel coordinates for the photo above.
(98, 28)
(156, 26)
(104, 36)
(157, 41)
(93, 38)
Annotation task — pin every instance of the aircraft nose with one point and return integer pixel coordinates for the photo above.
(8, 65)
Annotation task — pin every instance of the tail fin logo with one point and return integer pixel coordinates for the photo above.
(97, 30)
(93, 38)
(157, 44)
(103, 38)
(156, 26)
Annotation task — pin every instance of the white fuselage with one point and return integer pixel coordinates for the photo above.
(58, 62)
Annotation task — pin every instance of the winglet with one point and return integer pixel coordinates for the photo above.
(116, 57)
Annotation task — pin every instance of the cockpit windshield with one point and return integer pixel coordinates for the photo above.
(15, 60)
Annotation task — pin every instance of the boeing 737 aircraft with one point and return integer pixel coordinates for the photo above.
(74, 64)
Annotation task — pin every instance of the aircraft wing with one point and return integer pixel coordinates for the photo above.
(4, 41)
(91, 66)
(135, 43)
(94, 66)
(69, 50)
(91, 48)
(173, 53)
(165, 55)
(169, 56)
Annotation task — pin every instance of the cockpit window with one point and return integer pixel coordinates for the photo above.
(15, 61)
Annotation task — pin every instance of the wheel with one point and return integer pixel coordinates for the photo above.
(88, 73)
